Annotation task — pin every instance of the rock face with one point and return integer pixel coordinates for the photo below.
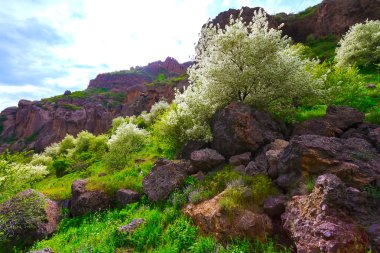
(316, 222)
(238, 128)
(165, 177)
(331, 17)
(243, 223)
(35, 125)
(355, 161)
(84, 201)
(25, 218)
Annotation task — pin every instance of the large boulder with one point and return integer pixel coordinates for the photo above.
(222, 225)
(318, 222)
(242, 159)
(206, 159)
(354, 160)
(165, 177)
(273, 155)
(25, 218)
(337, 120)
(86, 201)
(239, 128)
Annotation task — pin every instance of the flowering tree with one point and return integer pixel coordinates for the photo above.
(250, 63)
(360, 45)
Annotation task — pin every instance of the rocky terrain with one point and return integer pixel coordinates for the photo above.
(36, 124)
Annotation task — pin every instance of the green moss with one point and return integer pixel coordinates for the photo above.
(71, 107)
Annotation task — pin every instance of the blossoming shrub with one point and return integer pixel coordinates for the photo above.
(360, 45)
(248, 63)
(15, 177)
(126, 139)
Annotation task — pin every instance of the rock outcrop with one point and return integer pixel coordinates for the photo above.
(165, 177)
(86, 201)
(318, 223)
(331, 17)
(37, 124)
(222, 225)
(25, 218)
(238, 128)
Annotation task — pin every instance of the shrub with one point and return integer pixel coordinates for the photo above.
(127, 139)
(60, 166)
(360, 45)
(15, 177)
(252, 64)
(157, 110)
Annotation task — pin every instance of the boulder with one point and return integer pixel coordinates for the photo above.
(316, 223)
(274, 206)
(354, 160)
(131, 227)
(85, 201)
(126, 196)
(275, 151)
(374, 136)
(337, 120)
(242, 159)
(222, 225)
(252, 169)
(164, 178)
(239, 128)
(206, 159)
(189, 147)
(27, 217)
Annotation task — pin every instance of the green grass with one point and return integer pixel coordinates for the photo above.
(305, 113)
(71, 107)
(322, 48)
(168, 81)
(77, 94)
(165, 230)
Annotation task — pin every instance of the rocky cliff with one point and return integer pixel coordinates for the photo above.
(36, 124)
(331, 17)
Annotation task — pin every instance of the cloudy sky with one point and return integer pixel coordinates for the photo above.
(49, 46)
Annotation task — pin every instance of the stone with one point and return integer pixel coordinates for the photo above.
(242, 159)
(355, 161)
(165, 177)
(44, 250)
(126, 196)
(27, 217)
(371, 86)
(132, 226)
(252, 170)
(189, 147)
(273, 154)
(206, 159)
(274, 206)
(242, 223)
(239, 128)
(317, 223)
(86, 201)
(337, 120)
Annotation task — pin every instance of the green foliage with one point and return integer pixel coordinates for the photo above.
(78, 94)
(321, 48)
(168, 81)
(373, 191)
(307, 12)
(128, 138)
(360, 45)
(60, 166)
(71, 107)
(2, 119)
(15, 177)
(309, 183)
(161, 77)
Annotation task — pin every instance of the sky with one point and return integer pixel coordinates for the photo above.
(49, 46)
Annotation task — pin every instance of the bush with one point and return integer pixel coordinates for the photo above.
(360, 45)
(252, 64)
(60, 167)
(128, 138)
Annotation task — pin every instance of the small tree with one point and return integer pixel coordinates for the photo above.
(250, 63)
(360, 45)
(127, 139)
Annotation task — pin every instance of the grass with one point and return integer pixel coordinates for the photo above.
(322, 48)
(305, 113)
(165, 230)
(167, 81)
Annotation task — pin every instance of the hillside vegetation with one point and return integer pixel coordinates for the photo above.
(252, 65)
